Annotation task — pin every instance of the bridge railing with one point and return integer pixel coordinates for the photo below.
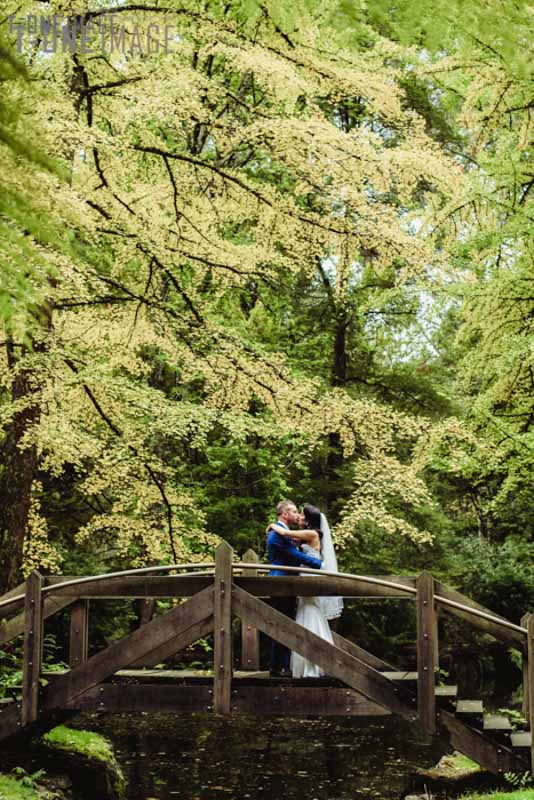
(41, 597)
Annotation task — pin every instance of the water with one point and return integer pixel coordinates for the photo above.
(203, 757)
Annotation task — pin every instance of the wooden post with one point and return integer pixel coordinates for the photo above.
(222, 630)
(33, 648)
(427, 650)
(525, 704)
(250, 637)
(530, 686)
(79, 633)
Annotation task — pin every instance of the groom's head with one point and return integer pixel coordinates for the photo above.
(287, 512)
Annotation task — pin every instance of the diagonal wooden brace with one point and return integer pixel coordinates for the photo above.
(176, 629)
(334, 661)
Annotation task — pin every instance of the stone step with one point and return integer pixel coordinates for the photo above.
(447, 691)
(446, 697)
(471, 712)
(469, 707)
(497, 722)
(498, 727)
(445, 694)
(406, 680)
(521, 739)
(404, 676)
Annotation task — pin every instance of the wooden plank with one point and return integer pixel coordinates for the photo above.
(355, 650)
(296, 701)
(470, 707)
(11, 628)
(319, 585)
(12, 608)
(530, 681)
(250, 637)
(79, 632)
(146, 608)
(521, 739)
(525, 706)
(331, 659)
(277, 701)
(136, 586)
(490, 755)
(177, 624)
(33, 648)
(496, 722)
(10, 720)
(450, 691)
(16, 590)
(399, 675)
(222, 629)
(144, 697)
(500, 632)
(269, 586)
(180, 676)
(174, 645)
(453, 594)
(53, 580)
(427, 648)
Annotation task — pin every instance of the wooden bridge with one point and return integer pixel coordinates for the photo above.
(121, 677)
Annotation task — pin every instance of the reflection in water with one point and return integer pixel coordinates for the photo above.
(203, 757)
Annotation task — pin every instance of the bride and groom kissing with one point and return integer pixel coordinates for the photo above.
(308, 546)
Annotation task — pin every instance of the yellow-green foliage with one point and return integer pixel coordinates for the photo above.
(521, 794)
(198, 173)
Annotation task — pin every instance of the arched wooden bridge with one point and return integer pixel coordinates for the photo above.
(359, 683)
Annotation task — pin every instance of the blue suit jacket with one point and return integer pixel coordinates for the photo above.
(281, 550)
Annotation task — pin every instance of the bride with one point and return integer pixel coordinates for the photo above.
(313, 613)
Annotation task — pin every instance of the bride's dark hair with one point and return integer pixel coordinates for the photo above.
(312, 515)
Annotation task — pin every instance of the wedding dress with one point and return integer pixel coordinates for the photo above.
(313, 613)
(310, 615)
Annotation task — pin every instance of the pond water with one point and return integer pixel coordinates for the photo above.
(202, 757)
(205, 757)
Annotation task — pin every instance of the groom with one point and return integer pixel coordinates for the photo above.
(282, 551)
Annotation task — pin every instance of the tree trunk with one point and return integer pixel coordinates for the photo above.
(339, 366)
(18, 466)
(18, 471)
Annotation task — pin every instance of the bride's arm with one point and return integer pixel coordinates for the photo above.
(302, 536)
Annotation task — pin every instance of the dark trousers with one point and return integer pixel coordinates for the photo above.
(280, 654)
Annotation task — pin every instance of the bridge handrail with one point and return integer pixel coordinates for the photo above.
(328, 574)
(478, 613)
(291, 570)
(104, 576)
(381, 582)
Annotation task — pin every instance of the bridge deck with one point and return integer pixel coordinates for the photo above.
(252, 692)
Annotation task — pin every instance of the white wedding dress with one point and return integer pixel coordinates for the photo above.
(310, 615)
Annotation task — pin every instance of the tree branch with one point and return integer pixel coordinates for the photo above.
(117, 431)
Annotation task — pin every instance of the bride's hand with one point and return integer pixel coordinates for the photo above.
(278, 529)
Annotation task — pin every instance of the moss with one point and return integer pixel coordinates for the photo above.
(519, 794)
(88, 751)
(13, 789)
(87, 743)
(452, 767)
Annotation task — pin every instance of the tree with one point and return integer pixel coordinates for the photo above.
(33, 247)
(248, 160)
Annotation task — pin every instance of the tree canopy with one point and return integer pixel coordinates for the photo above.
(285, 254)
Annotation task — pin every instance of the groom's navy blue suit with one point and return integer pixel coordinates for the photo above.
(282, 551)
